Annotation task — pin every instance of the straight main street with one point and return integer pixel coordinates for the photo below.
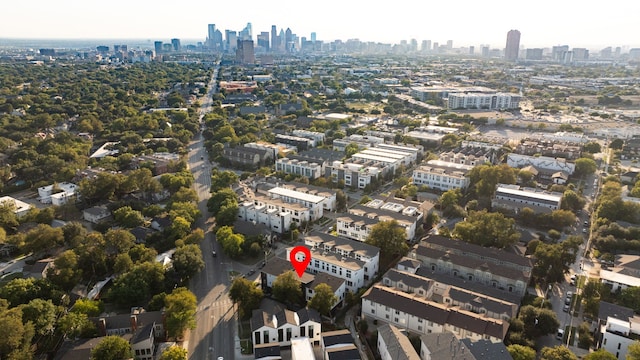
(214, 335)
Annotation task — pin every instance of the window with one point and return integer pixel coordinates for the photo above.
(288, 334)
(280, 335)
(373, 311)
(310, 331)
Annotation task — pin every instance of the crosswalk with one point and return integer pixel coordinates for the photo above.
(219, 304)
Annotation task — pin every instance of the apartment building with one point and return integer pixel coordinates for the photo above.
(542, 163)
(483, 101)
(313, 203)
(422, 316)
(58, 194)
(300, 143)
(362, 141)
(357, 224)
(442, 175)
(329, 197)
(618, 333)
(318, 137)
(475, 264)
(394, 345)
(311, 163)
(274, 214)
(515, 198)
(356, 174)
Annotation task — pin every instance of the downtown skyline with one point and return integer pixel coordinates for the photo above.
(545, 25)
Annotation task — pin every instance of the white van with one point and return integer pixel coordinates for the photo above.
(560, 334)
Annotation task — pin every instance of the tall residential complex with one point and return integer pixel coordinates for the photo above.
(513, 45)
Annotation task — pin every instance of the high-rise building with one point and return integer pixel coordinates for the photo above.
(436, 47)
(426, 46)
(274, 38)
(513, 45)
(472, 50)
(485, 50)
(246, 33)
(158, 47)
(534, 54)
(449, 44)
(211, 33)
(263, 41)
(559, 53)
(231, 43)
(244, 52)
(313, 37)
(176, 44)
(288, 40)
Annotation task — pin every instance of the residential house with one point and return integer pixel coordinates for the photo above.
(618, 333)
(488, 266)
(357, 224)
(246, 156)
(284, 326)
(143, 342)
(58, 194)
(96, 214)
(39, 269)
(516, 198)
(20, 208)
(339, 345)
(160, 223)
(269, 351)
(442, 175)
(130, 323)
(394, 345)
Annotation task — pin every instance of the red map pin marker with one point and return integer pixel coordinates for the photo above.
(300, 265)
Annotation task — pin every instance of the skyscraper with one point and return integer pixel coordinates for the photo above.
(157, 45)
(513, 45)
(263, 41)
(274, 38)
(313, 37)
(244, 52)
(176, 44)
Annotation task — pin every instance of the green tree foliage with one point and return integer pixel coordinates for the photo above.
(15, 336)
(487, 229)
(138, 285)
(286, 288)
(600, 354)
(572, 201)
(557, 353)
(21, 291)
(554, 260)
(42, 238)
(246, 294)
(88, 307)
(174, 353)
(538, 322)
(112, 347)
(75, 325)
(118, 241)
(341, 200)
(389, 237)
(141, 254)
(228, 213)
(630, 297)
(592, 147)
(616, 144)
(585, 166)
(231, 242)
(187, 261)
(220, 197)
(521, 352)
(633, 351)
(351, 149)
(180, 311)
(65, 272)
(222, 179)
(127, 217)
(323, 299)
(42, 314)
(484, 178)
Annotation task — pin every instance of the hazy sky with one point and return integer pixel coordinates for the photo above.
(543, 23)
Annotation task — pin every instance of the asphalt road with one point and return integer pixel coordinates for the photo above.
(214, 335)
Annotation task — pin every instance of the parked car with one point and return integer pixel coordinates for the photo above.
(214, 254)
(566, 308)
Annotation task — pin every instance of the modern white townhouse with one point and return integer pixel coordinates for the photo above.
(442, 175)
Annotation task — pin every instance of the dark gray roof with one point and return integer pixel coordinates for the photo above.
(326, 278)
(437, 241)
(143, 333)
(306, 314)
(469, 285)
(411, 280)
(485, 349)
(347, 352)
(446, 346)
(437, 313)
(123, 321)
(612, 310)
(348, 245)
(249, 229)
(361, 209)
(286, 317)
(277, 266)
(316, 155)
(409, 263)
(260, 318)
(77, 350)
(432, 254)
(265, 350)
(337, 337)
(397, 343)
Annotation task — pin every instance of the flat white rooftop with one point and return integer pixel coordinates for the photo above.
(529, 194)
(384, 159)
(280, 191)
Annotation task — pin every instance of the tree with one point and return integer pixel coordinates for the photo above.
(122, 264)
(553, 261)
(557, 353)
(127, 217)
(174, 353)
(65, 272)
(600, 354)
(351, 149)
(88, 307)
(585, 166)
(286, 288)
(42, 314)
(139, 284)
(42, 238)
(616, 144)
(231, 242)
(323, 299)
(572, 201)
(341, 200)
(538, 322)
(222, 179)
(228, 213)
(389, 237)
(15, 336)
(74, 325)
(140, 254)
(180, 311)
(630, 297)
(246, 294)
(218, 198)
(187, 261)
(633, 351)
(521, 352)
(112, 347)
(592, 147)
(487, 229)
(118, 241)
(485, 178)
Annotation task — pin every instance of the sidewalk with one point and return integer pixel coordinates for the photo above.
(348, 321)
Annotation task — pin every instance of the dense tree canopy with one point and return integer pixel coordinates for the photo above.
(246, 294)
(286, 288)
(323, 299)
(389, 237)
(112, 347)
(180, 311)
(487, 229)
